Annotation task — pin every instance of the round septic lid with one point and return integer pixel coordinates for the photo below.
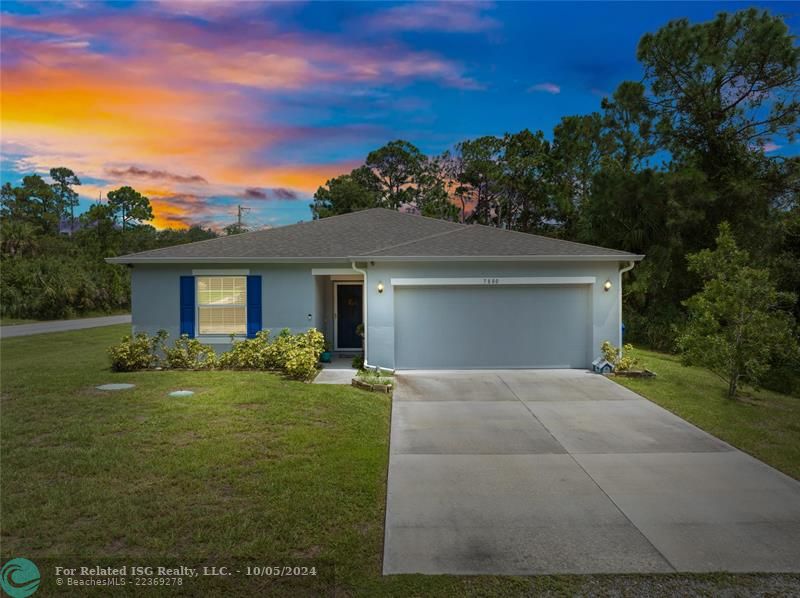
(181, 393)
(118, 386)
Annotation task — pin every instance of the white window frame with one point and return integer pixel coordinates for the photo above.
(217, 337)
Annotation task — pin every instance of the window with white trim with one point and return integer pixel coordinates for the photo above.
(221, 305)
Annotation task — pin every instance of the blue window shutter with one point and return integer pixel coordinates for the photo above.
(253, 305)
(187, 305)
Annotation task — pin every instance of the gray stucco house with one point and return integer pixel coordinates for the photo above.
(431, 294)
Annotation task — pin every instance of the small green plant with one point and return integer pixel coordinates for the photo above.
(358, 362)
(190, 354)
(373, 377)
(621, 360)
(137, 352)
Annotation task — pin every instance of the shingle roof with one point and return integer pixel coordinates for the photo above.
(373, 234)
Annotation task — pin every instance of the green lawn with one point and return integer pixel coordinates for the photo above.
(253, 465)
(763, 423)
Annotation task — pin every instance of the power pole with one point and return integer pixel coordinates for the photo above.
(239, 215)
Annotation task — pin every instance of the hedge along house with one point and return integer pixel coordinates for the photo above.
(430, 294)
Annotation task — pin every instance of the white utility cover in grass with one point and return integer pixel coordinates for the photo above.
(181, 393)
(119, 386)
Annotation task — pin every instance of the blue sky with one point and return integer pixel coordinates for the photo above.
(203, 105)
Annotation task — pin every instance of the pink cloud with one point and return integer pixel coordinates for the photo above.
(464, 17)
(546, 87)
(266, 58)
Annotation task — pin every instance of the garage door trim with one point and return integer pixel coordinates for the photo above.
(492, 281)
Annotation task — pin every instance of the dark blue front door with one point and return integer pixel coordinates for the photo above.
(349, 314)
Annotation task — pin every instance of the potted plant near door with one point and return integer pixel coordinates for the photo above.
(325, 356)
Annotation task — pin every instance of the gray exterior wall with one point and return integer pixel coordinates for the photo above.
(381, 341)
(293, 298)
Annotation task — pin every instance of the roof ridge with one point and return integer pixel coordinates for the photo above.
(441, 234)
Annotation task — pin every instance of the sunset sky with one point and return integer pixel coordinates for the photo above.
(204, 105)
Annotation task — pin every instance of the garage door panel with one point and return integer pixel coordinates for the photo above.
(492, 327)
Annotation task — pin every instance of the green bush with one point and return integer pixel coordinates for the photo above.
(248, 354)
(294, 354)
(276, 353)
(301, 358)
(60, 286)
(189, 354)
(139, 352)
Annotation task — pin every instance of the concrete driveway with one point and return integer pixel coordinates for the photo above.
(543, 472)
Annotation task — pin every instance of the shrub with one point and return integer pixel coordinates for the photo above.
(276, 353)
(190, 354)
(296, 355)
(301, 357)
(358, 362)
(139, 352)
(621, 360)
(249, 354)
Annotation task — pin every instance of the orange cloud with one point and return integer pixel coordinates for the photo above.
(168, 215)
(169, 95)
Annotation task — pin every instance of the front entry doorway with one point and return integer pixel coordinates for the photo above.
(348, 309)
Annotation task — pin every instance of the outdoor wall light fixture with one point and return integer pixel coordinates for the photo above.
(607, 286)
(380, 287)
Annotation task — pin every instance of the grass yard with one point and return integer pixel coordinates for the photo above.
(252, 465)
(762, 423)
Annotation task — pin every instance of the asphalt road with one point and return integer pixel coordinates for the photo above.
(61, 325)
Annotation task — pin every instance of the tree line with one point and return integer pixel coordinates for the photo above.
(656, 170)
(52, 263)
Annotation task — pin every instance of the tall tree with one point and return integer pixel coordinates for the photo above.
(526, 200)
(577, 152)
(727, 83)
(628, 127)
(98, 232)
(431, 197)
(723, 91)
(358, 190)
(481, 176)
(398, 166)
(451, 164)
(35, 202)
(131, 205)
(63, 182)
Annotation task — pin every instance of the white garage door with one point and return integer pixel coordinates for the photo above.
(492, 327)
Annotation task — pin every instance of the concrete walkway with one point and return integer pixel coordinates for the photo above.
(546, 472)
(338, 371)
(61, 325)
